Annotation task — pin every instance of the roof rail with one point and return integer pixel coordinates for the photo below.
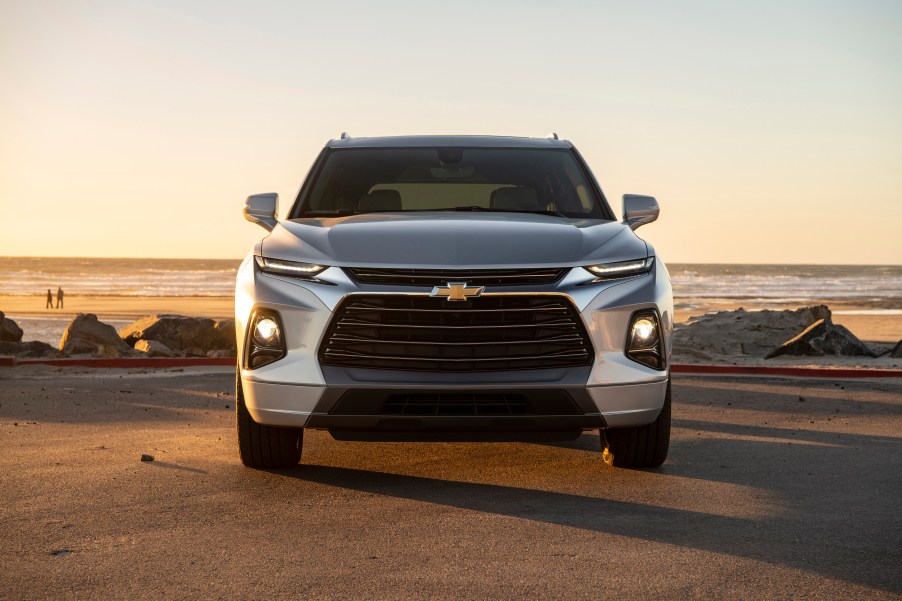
(344, 135)
(552, 136)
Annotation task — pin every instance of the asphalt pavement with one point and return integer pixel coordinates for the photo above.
(774, 488)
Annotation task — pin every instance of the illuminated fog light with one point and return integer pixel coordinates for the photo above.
(644, 344)
(267, 331)
(265, 343)
(643, 330)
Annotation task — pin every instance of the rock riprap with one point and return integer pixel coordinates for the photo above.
(86, 334)
(742, 333)
(9, 330)
(181, 333)
(32, 349)
(154, 348)
(823, 338)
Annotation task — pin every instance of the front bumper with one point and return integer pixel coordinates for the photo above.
(296, 391)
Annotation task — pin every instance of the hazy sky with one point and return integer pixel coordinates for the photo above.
(770, 131)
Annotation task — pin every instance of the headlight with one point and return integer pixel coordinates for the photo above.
(644, 344)
(265, 340)
(607, 271)
(290, 268)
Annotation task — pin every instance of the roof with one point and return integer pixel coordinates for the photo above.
(448, 141)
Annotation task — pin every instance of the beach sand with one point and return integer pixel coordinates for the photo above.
(120, 307)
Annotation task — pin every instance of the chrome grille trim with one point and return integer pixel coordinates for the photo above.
(490, 333)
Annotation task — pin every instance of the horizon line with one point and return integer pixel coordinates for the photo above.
(242, 258)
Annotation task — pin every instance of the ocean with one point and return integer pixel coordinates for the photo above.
(876, 287)
(118, 277)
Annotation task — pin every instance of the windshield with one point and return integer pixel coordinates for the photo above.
(523, 180)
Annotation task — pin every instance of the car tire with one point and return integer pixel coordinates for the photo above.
(265, 447)
(645, 446)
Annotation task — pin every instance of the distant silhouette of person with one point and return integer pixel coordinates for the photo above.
(49, 299)
(59, 298)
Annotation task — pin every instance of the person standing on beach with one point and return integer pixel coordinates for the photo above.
(59, 298)
(49, 299)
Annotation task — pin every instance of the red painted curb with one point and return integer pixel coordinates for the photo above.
(802, 372)
(748, 370)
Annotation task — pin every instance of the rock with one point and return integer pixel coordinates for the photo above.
(742, 333)
(11, 332)
(897, 352)
(220, 354)
(180, 333)
(86, 334)
(146, 457)
(31, 349)
(226, 330)
(154, 348)
(823, 338)
(193, 351)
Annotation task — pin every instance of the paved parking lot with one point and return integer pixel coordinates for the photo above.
(774, 488)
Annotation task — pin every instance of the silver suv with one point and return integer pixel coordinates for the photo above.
(452, 288)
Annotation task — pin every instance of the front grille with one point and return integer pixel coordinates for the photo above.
(473, 277)
(487, 333)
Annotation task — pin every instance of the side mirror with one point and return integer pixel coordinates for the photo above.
(639, 210)
(262, 209)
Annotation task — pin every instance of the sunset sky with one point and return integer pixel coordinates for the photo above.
(770, 131)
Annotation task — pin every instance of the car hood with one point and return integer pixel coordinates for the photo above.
(453, 240)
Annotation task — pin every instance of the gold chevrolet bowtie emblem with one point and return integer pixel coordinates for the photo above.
(457, 291)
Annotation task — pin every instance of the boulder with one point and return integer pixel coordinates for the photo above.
(225, 329)
(86, 334)
(742, 333)
(897, 352)
(823, 338)
(11, 332)
(180, 333)
(32, 349)
(220, 354)
(193, 351)
(154, 348)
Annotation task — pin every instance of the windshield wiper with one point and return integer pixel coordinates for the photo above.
(491, 210)
(331, 213)
(470, 208)
(537, 212)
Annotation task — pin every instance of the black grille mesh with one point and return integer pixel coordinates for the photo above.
(473, 277)
(488, 333)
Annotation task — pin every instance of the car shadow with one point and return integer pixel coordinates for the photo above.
(827, 493)
(775, 540)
